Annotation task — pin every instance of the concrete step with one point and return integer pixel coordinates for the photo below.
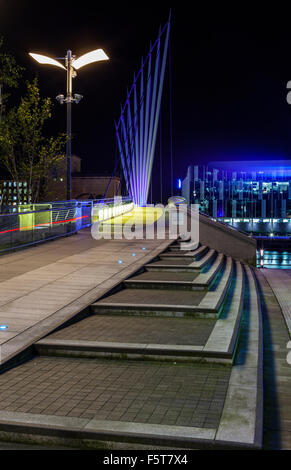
(182, 265)
(215, 297)
(171, 302)
(154, 302)
(225, 335)
(165, 280)
(212, 341)
(130, 351)
(177, 253)
(184, 245)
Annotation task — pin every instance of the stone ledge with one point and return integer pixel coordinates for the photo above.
(112, 432)
(130, 350)
(225, 333)
(242, 417)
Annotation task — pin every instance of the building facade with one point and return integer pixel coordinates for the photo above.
(95, 187)
(13, 193)
(84, 186)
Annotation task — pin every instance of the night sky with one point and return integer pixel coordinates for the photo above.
(229, 76)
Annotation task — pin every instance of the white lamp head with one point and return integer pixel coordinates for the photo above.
(42, 59)
(89, 58)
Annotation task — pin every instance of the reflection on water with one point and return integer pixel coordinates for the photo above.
(274, 259)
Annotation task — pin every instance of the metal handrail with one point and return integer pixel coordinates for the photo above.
(63, 218)
(65, 207)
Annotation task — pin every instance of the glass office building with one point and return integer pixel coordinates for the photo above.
(241, 190)
(13, 193)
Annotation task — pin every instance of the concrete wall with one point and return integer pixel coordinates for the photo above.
(227, 240)
(96, 186)
(76, 164)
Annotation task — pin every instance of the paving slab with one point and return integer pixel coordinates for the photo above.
(161, 276)
(59, 392)
(171, 331)
(155, 296)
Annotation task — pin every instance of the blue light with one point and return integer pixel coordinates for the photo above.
(144, 249)
(3, 327)
(120, 261)
(179, 183)
(133, 254)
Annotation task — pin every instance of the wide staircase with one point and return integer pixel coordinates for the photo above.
(172, 357)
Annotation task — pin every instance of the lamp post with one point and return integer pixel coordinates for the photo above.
(72, 64)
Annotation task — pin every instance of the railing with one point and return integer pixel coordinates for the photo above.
(109, 210)
(35, 223)
(262, 227)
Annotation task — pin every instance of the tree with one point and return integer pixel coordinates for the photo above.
(10, 73)
(24, 150)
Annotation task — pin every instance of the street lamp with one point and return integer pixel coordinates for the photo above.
(72, 64)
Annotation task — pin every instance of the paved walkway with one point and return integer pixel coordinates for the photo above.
(280, 282)
(42, 287)
(277, 372)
